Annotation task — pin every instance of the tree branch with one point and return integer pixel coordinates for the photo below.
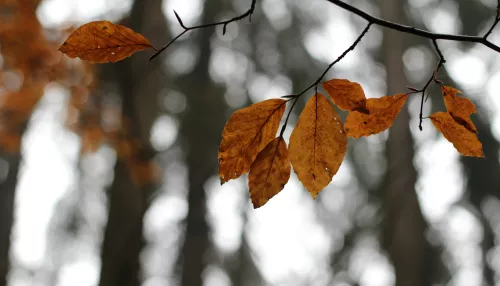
(224, 24)
(497, 19)
(432, 78)
(315, 84)
(419, 32)
(371, 20)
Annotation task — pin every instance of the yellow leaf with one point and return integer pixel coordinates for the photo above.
(346, 95)
(317, 144)
(246, 133)
(103, 41)
(381, 114)
(459, 108)
(269, 173)
(464, 140)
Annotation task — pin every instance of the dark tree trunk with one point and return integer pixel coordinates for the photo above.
(7, 195)
(483, 181)
(123, 238)
(201, 129)
(139, 82)
(405, 227)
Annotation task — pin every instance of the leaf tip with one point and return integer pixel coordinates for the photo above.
(258, 202)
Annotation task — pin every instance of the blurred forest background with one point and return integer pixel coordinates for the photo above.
(108, 173)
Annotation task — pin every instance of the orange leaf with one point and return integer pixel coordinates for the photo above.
(317, 144)
(381, 114)
(269, 173)
(464, 140)
(346, 95)
(103, 41)
(246, 133)
(459, 108)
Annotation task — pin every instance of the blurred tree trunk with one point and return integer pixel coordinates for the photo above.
(405, 227)
(483, 181)
(7, 194)
(201, 129)
(241, 266)
(19, 28)
(139, 82)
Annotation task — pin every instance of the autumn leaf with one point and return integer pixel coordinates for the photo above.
(464, 140)
(103, 41)
(459, 108)
(317, 144)
(246, 133)
(346, 95)
(269, 172)
(381, 114)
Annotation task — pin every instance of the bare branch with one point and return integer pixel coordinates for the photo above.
(497, 19)
(315, 84)
(415, 31)
(441, 62)
(224, 24)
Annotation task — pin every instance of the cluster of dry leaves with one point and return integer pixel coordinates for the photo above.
(318, 142)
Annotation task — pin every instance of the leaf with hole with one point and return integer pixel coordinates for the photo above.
(318, 144)
(103, 41)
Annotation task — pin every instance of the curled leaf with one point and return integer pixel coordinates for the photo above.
(246, 133)
(464, 140)
(103, 41)
(459, 108)
(269, 172)
(317, 144)
(346, 95)
(381, 114)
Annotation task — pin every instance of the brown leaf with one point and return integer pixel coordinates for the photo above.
(317, 144)
(103, 41)
(346, 95)
(464, 140)
(269, 172)
(381, 114)
(246, 133)
(459, 108)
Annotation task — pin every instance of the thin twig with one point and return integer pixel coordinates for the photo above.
(224, 24)
(320, 78)
(413, 30)
(432, 78)
(315, 84)
(288, 116)
(497, 19)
